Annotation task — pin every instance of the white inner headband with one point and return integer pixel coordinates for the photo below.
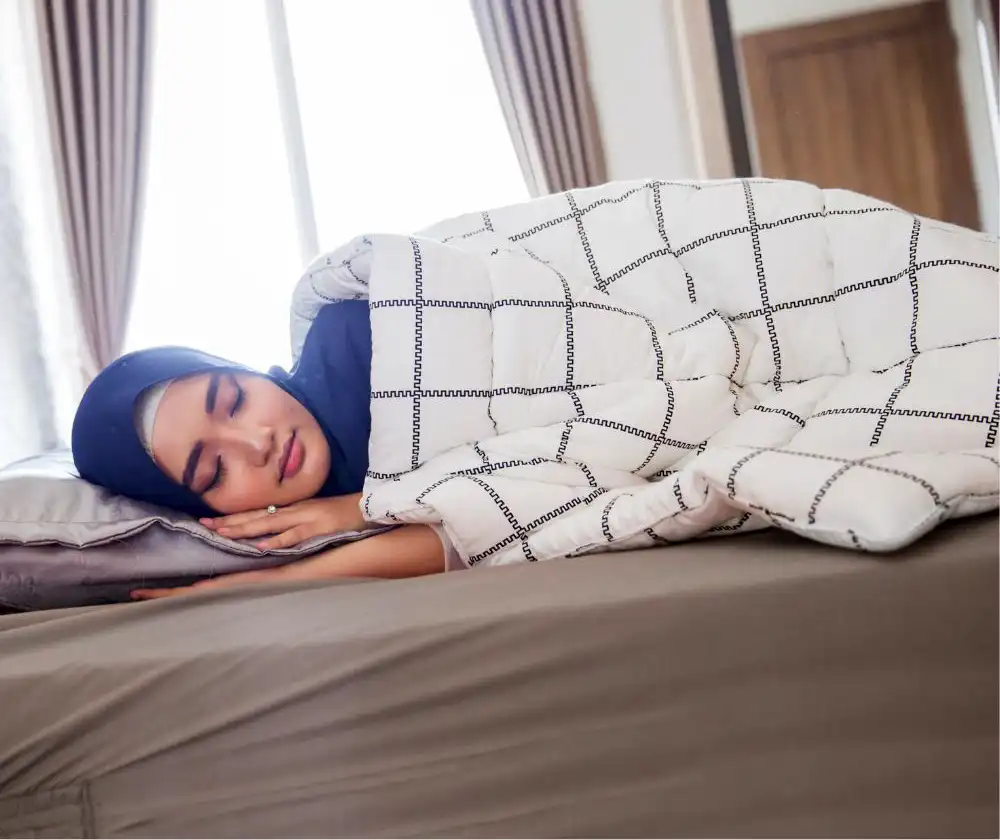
(145, 413)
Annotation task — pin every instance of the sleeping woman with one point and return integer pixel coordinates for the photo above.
(275, 457)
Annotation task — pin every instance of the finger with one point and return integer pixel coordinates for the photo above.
(233, 519)
(286, 539)
(265, 526)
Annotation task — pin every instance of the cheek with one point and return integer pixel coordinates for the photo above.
(245, 490)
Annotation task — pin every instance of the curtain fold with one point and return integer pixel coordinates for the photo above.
(96, 59)
(536, 55)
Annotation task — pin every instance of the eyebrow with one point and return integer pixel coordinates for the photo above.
(212, 393)
(192, 464)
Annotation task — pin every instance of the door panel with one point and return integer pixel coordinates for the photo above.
(869, 103)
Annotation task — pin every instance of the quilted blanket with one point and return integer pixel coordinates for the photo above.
(647, 362)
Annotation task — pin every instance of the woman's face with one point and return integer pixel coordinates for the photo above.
(239, 441)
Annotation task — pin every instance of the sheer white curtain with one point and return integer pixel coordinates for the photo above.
(41, 371)
(400, 125)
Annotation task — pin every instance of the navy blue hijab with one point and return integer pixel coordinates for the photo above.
(332, 380)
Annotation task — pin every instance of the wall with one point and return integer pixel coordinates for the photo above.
(754, 16)
(749, 16)
(638, 89)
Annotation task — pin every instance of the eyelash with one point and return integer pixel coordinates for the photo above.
(220, 467)
(238, 403)
(218, 478)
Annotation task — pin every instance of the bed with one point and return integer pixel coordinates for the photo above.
(753, 686)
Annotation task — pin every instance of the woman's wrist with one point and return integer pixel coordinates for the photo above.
(407, 551)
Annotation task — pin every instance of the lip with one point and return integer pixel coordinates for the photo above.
(293, 456)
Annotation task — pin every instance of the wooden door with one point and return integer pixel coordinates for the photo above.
(869, 103)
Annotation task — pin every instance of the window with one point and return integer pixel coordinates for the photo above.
(400, 126)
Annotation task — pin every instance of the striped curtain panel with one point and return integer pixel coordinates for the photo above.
(536, 55)
(96, 66)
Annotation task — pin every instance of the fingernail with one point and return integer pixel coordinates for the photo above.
(261, 545)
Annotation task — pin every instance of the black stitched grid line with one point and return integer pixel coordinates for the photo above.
(659, 475)
(487, 221)
(656, 538)
(758, 260)
(500, 466)
(319, 294)
(654, 187)
(418, 349)
(480, 393)
(466, 235)
(991, 432)
(679, 496)
(519, 533)
(482, 455)
(854, 539)
(911, 271)
(733, 387)
(591, 480)
(736, 526)
(537, 523)
(668, 416)
(791, 415)
(739, 465)
(661, 228)
(635, 432)
(788, 220)
(982, 457)
(605, 524)
(831, 480)
(767, 512)
(863, 285)
(564, 441)
(584, 241)
(788, 304)
(939, 347)
(350, 270)
(891, 402)
(503, 303)
(905, 412)
(434, 486)
(824, 489)
(697, 322)
(382, 476)
(558, 220)
(567, 302)
(864, 463)
(407, 303)
(611, 279)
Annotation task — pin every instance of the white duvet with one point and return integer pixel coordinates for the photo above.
(647, 362)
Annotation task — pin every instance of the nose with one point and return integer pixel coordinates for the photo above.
(255, 443)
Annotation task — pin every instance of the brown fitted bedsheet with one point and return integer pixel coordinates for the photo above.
(751, 686)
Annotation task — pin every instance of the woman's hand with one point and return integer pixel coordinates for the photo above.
(408, 551)
(293, 524)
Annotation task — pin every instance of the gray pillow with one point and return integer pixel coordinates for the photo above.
(65, 542)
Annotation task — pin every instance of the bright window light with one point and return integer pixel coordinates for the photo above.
(219, 254)
(401, 127)
(401, 121)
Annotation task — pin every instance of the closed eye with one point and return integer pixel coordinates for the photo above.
(238, 402)
(217, 477)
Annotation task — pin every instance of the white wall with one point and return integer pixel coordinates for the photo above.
(977, 113)
(749, 16)
(638, 89)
